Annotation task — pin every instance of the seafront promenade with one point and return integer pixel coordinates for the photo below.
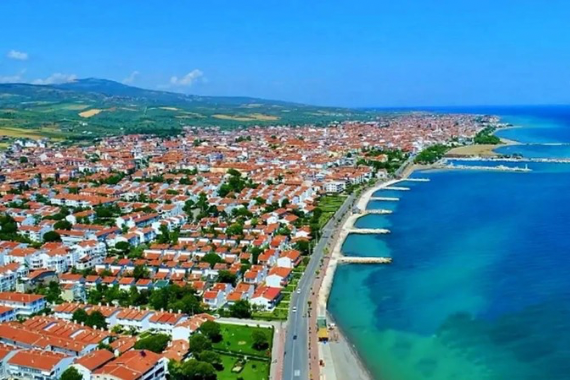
(336, 255)
(339, 358)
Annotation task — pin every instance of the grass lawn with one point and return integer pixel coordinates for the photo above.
(329, 204)
(238, 339)
(278, 314)
(260, 372)
(298, 271)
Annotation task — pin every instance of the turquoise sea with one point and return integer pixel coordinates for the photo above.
(480, 284)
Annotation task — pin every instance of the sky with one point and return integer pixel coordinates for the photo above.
(358, 53)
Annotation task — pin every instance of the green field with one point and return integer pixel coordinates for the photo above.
(253, 369)
(238, 339)
(89, 108)
(329, 204)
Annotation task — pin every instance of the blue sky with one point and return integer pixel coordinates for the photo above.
(345, 53)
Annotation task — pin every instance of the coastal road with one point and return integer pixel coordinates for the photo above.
(296, 353)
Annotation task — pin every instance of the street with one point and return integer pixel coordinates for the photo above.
(296, 353)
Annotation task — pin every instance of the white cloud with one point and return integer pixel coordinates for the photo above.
(56, 78)
(131, 78)
(188, 79)
(18, 55)
(16, 78)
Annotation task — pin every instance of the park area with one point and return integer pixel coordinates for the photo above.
(329, 204)
(248, 369)
(245, 340)
(245, 352)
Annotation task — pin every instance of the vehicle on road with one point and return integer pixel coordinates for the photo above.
(294, 309)
(294, 337)
(298, 291)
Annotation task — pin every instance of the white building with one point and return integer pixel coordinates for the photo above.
(334, 186)
(24, 304)
(36, 364)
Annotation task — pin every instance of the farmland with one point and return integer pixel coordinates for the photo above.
(90, 108)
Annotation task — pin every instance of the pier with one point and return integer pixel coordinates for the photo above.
(368, 231)
(397, 188)
(416, 179)
(364, 260)
(337, 257)
(387, 199)
(375, 212)
(523, 160)
(500, 168)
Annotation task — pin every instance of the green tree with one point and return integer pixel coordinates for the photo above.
(199, 343)
(96, 320)
(431, 154)
(212, 358)
(212, 259)
(79, 316)
(8, 225)
(156, 343)
(188, 206)
(51, 236)
(62, 225)
(193, 370)
(234, 173)
(240, 309)
(486, 136)
(176, 298)
(255, 252)
(260, 340)
(137, 298)
(212, 330)
(122, 246)
(164, 236)
(141, 271)
(303, 246)
(235, 229)
(284, 231)
(53, 294)
(227, 277)
(71, 373)
(23, 160)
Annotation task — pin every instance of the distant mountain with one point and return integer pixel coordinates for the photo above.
(115, 89)
(95, 107)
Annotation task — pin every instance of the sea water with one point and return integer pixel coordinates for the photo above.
(480, 284)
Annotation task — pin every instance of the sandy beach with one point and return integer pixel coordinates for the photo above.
(343, 360)
(481, 150)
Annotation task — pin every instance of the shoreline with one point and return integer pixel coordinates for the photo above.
(347, 361)
(342, 352)
(336, 252)
(481, 150)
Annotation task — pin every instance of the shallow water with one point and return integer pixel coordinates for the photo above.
(479, 287)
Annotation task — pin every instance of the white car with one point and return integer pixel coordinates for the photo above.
(298, 291)
(294, 309)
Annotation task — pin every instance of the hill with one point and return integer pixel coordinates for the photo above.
(93, 107)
